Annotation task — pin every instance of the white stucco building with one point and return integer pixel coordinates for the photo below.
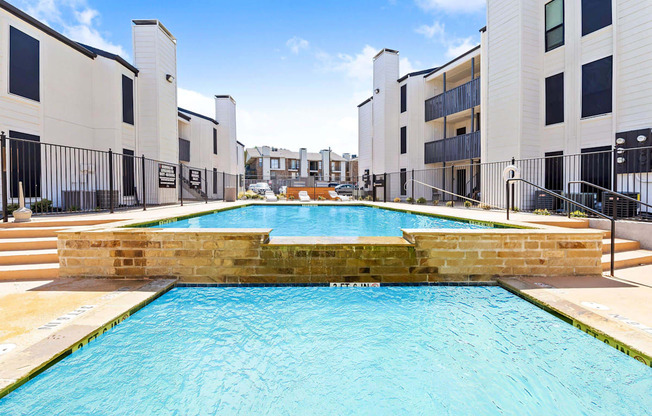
(63, 93)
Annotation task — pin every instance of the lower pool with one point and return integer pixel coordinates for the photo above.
(336, 351)
(319, 220)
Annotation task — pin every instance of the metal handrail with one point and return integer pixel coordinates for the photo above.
(614, 193)
(570, 201)
(450, 193)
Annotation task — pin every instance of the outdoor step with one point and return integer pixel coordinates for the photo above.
(28, 257)
(55, 222)
(38, 243)
(627, 259)
(30, 271)
(621, 245)
(564, 223)
(30, 232)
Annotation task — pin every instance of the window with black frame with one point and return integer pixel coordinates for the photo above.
(596, 14)
(597, 78)
(555, 99)
(128, 173)
(403, 182)
(403, 98)
(24, 65)
(127, 100)
(403, 140)
(554, 12)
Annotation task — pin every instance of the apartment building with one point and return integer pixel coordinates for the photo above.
(567, 77)
(64, 93)
(423, 120)
(266, 163)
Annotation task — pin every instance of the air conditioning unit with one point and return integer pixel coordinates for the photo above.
(626, 208)
(588, 199)
(543, 200)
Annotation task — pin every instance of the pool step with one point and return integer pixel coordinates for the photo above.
(60, 223)
(36, 243)
(621, 245)
(29, 271)
(29, 257)
(29, 232)
(625, 259)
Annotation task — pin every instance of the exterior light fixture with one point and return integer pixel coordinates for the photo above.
(620, 160)
(377, 90)
(641, 138)
(620, 151)
(620, 141)
(169, 78)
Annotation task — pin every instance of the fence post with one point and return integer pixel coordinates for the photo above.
(373, 187)
(144, 189)
(513, 190)
(412, 184)
(507, 198)
(181, 183)
(3, 147)
(223, 186)
(206, 184)
(385, 187)
(111, 202)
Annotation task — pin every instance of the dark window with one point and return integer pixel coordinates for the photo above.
(477, 121)
(403, 182)
(127, 100)
(403, 98)
(184, 150)
(403, 140)
(128, 173)
(596, 87)
(215, 143)
(23, 65)
(214, 180)
(554, 175)
(554, 24)
(596, 168)
(555, 99)
(596, 14)
(25, 164)
(460, 131)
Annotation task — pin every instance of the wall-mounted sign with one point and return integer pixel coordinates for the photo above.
(379, 182)
(167, 176)
(195, 178)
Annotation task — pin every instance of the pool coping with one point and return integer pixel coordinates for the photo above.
(583, 319)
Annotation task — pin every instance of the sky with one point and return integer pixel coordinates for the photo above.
(297, 69)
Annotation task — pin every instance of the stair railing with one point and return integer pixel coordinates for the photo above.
(609, 191)
(570, 201)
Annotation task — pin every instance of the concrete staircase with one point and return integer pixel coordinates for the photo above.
(29, 250)
(628, 252)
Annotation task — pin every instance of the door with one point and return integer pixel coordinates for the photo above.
(460, 178)
(25, 164)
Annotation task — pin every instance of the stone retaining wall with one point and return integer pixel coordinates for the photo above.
(249, 256)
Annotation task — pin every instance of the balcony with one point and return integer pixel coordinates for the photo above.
(458, 99)
(466, 146)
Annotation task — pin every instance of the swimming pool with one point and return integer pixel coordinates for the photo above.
(320, 220)
(332, 351)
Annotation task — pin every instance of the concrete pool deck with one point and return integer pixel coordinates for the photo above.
(45, 320)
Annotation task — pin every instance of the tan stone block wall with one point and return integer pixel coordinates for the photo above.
(237, 256)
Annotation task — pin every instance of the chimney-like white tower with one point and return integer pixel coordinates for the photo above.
(303, 162)
(227, 135)
(385, 112)
(325, 165)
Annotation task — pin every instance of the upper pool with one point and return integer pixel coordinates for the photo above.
(320, 220)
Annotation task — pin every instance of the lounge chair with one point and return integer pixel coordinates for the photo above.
(303, 196)
(335, 195)
(270, 197)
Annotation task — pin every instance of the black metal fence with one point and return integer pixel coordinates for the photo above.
(63, 179)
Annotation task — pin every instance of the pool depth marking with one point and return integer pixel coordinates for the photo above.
(67, 317)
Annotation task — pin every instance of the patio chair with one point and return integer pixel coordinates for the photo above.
(334, 195)
(303, 196)
(270, 197)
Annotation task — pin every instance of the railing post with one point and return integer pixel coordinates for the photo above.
(513, 185)
(385, 187)
(373, 187)
(206, 184)
(111, 202)
(412, 184)
(3, 148)
(223, 186)
(144, 191)
(569, 196)
(507, 197)
(181, 183)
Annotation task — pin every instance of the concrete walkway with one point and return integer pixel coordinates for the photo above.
(43, 320)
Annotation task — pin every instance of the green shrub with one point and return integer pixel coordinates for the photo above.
(467, 204)
(485, 207)
(291, 198)
(11, 208)
(450, 204)
(421, 200)
(320, 198)
(409, 200)
(44, 205)
(435, 202)
(542, 212)
(515, 209)
(369, 198)
(578, 214)
(397, 199)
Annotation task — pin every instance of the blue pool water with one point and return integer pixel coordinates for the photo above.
(320, 220)
(340, 351)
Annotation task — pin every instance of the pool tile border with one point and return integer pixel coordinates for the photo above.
(388, 284)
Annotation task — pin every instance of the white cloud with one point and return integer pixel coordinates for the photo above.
(455, 46)
(459, 47)
(436, 29)
(75, 19)
(452, 6)
(195, 101)
(296, 44)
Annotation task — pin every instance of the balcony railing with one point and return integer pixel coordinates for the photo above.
(458, 99)
(466, 146)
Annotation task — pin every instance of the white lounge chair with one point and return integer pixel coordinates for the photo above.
(303, 196)
(335, 195)
(270, 197)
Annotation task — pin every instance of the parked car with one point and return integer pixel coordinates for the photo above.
(345, 189)
(333, 185)
(260, 188)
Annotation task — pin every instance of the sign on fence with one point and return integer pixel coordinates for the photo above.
(167, 176)
(195, 178)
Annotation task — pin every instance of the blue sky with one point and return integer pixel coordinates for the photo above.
(297, 69)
